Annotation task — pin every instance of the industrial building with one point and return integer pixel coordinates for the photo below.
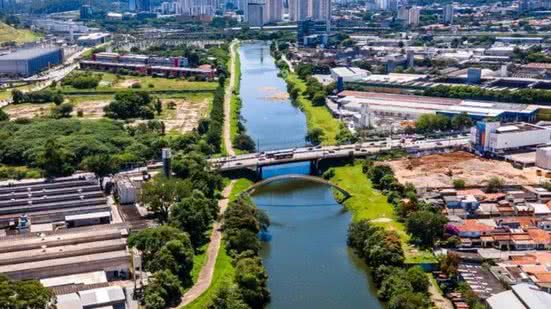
(149, 65)
(494, 138)
(73, 200)
(411, 107)
(94, 39)
(27, 62)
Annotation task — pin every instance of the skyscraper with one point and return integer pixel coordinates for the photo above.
(143, 5)
(255, 13)
(447, 14)
(195, 7)
(273, 11)
(413, 17)
(316, 9)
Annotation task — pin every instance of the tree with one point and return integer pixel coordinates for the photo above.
(62, 111)
(425, 227)
(409, 300)
(418, 279)
(17, 96)
(161, 193)
(315, 136)
(450, 264)
(163, 285)
(101, 165)
(318, 99)
(495, 184)
(158, 106)
(227, 298)
(53, 160)
(358, 232)
(29, 294)
(4, 116)
(244, 142)
(252, 278)
(461, 121)
(394, 284)
(194, 215)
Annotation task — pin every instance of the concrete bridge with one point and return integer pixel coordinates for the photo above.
(257, 161)
(264, 182)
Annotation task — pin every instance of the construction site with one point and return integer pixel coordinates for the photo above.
(439, 170)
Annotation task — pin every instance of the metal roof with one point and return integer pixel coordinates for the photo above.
(25, 54)
(108, 295)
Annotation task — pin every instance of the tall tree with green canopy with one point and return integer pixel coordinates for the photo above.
(425, 227)
(101, 165)
(53, 160)
(29, 294)
(161, 193)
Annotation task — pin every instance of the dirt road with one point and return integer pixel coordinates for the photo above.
(227, 102)
(207, 272)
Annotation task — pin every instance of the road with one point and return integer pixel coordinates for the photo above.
(227, 102)
(326, 152)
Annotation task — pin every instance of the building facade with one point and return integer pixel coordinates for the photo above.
(300, 10)
(28, 62)
(273, 11)
(447, 14)
(255, 13)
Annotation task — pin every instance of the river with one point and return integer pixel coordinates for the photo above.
(308, 262)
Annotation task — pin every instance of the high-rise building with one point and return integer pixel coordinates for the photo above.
(132, 5)
(85, 12)
(524, 5)
(413, 16)
(255, 13)
(403, 13)
(7, 5)
(143, 5)
(447, 14)
(273, 11)
(195, 7)
(300, 10)
(311, 32)
(321, 9)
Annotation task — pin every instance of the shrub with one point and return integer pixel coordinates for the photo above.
(459, 184)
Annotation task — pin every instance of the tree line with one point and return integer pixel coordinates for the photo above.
(40, 96)
(82, 80)
(242, 223)
(529, 96)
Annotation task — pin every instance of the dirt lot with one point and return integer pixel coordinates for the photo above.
(126, 83)
(186, 115)
(27, 110)
(439, 170)
(91, 109)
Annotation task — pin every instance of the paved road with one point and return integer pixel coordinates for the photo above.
(207, 272)
(312, 153)
(227, 102)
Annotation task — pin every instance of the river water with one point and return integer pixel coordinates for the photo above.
(308, 262)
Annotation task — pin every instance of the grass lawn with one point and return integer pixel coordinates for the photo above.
(240, 185)
(316, 116)
(223, 276)
(368, 203)
(113, 82)
(198, 261)
(9, 33)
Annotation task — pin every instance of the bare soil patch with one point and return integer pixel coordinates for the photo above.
(439, 170)
(27, 110)
(185, 116)
(91, 109)
(126, 83)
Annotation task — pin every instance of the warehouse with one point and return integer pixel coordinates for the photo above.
(492, 137)
(27, 62)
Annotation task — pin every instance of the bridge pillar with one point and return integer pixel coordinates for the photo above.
(314, 167)
(259, 172)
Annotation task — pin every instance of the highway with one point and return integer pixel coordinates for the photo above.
(303, 154)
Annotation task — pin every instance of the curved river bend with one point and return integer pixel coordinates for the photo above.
(307, 259)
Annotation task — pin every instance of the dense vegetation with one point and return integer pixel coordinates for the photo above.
(41, 96)
(382, 251)
(133, 104)
(24, 294)
(82, 80)
(428, 123)
(242, 222)
(60, 146)
(423, 222)
(474, 92)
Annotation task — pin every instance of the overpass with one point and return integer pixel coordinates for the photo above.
(257, 161)
(264, 182)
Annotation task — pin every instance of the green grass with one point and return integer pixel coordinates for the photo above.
(115, 83)
(316, 116)
(240, 185)
(9, 33)
(368, 203)
(224, 273)
(235, 103)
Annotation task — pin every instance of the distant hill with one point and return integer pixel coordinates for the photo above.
(9, 33)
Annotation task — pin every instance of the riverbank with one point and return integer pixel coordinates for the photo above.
(368, 203)
(316, 116)
(235, 104)
(227, 141)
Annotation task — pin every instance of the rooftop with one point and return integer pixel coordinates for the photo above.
(24, 54)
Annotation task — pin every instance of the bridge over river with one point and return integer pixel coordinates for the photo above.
(315, 154)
